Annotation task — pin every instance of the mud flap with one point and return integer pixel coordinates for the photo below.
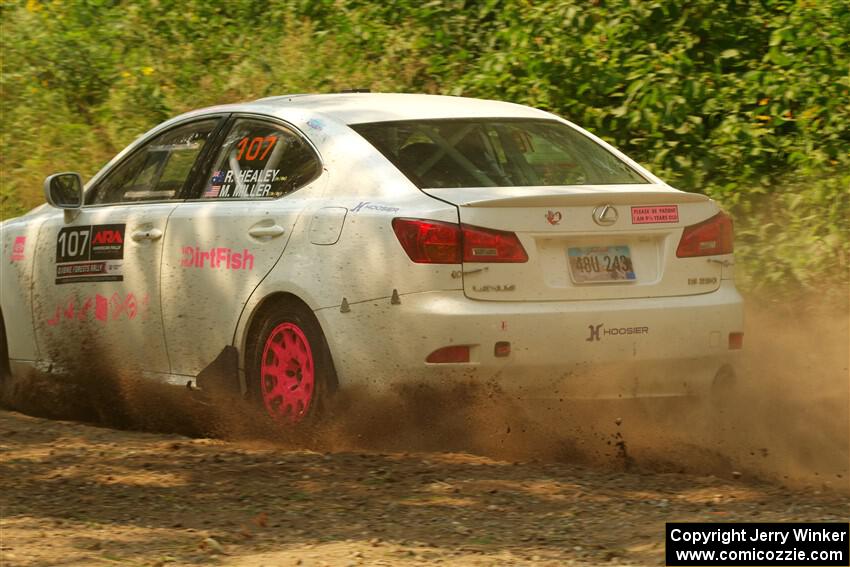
(221, 376)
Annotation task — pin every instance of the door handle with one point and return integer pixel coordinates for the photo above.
(266, 231)
(150, 234)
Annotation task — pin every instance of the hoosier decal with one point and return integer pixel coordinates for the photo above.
(374, 207)
(597, 330)
(92, 253)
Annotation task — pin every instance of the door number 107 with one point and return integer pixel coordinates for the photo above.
(73, 243)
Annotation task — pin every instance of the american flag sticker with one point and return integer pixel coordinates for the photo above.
(212, 192)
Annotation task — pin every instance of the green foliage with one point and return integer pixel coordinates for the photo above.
(799, 233)
(748, 102)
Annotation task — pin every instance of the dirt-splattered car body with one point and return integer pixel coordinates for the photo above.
(548, 273)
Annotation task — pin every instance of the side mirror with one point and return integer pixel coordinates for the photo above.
(64, 190)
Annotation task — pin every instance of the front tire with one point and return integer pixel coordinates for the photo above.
(289, 366)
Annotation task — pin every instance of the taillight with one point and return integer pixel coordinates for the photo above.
(429, 242)
(710, 237)
(488, 245)
(437, 242)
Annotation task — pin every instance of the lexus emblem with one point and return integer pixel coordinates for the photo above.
(605, 215)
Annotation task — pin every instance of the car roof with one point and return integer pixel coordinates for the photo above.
(355, 108)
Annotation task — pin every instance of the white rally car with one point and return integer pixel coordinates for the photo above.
(306, 243)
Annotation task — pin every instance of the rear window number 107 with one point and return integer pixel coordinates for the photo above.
(250, 148)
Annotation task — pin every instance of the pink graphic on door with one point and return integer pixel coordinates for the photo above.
(116, 307)
(18, 248)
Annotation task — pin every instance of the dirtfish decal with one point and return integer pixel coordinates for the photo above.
(220, 258)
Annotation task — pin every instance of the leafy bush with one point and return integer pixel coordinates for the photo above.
(797, 234)
(745, 101)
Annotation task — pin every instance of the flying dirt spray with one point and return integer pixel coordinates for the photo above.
(788, 419)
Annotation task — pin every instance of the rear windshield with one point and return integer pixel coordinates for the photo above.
(495, 152)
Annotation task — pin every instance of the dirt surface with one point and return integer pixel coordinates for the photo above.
(81, 495)
(425, 477)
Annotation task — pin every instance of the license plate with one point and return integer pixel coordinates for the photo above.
(600, 264)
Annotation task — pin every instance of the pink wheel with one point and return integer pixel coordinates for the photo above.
(287, 373)
(288, 366)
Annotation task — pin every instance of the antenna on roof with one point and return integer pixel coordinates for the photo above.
(348, 91)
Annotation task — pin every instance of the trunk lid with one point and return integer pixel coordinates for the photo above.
(571, 256)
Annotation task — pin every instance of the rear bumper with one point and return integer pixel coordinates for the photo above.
(581, 349)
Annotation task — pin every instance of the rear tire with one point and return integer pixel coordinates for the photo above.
(290, 371)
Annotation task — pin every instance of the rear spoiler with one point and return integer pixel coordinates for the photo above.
(563, 197)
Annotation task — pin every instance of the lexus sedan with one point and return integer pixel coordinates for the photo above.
(296, 245)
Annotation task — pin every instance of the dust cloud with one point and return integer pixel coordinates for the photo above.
(787, 420)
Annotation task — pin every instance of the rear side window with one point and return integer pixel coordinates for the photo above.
(493, 152)
(259, 160)
(158, 170)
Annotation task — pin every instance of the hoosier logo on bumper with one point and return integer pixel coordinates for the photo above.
(597, 332)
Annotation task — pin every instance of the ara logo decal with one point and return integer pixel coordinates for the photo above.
(554, 217)
(107, 236)
(598, 332)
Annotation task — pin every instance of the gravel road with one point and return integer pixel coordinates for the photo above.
(75, 494)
